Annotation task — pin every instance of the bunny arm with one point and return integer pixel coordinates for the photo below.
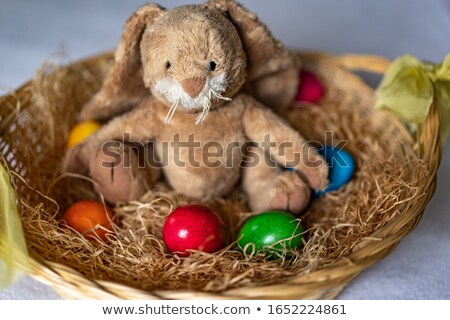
(139, 124)
(288, 147)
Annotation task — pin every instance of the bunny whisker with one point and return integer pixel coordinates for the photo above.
(204, 114)
(171, 112)
(218, 95)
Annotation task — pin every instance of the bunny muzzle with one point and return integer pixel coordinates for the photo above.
(192, 94)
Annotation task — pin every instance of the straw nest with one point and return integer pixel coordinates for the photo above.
(346, 230)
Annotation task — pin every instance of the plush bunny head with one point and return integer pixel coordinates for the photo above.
(195, 57)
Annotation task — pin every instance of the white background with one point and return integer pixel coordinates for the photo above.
(226, 309)
(32, 31)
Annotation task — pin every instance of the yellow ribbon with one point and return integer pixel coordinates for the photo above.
(409, 86)
(13, 248)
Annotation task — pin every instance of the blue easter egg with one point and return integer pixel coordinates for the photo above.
(341, 168)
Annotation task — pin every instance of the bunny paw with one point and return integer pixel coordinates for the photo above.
(113, 175)
(289, 193)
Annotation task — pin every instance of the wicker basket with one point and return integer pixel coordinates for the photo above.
(323, 283)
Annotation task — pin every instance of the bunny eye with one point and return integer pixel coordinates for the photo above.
(212, 66)
(168, 65)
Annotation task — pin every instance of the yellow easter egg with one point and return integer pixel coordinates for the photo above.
(81, 131)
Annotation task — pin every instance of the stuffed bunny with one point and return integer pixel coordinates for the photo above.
(197, 73)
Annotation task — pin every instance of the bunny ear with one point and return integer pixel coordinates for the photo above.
(272, 72)
(123, 87)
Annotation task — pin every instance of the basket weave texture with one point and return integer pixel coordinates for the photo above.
(346, 89)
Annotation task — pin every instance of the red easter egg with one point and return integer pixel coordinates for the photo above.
(193, 227)
(310, 89)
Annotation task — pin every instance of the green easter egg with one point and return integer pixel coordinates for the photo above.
(272, 232)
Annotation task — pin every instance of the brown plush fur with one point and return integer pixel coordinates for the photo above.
(272, 73)
(167, 58)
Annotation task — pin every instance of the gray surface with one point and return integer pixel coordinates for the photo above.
(32, 31)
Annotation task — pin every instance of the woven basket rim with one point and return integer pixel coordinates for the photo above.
(71, 283)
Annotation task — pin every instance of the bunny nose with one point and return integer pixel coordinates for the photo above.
(193, 86)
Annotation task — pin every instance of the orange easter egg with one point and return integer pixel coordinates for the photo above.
(89, 217)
